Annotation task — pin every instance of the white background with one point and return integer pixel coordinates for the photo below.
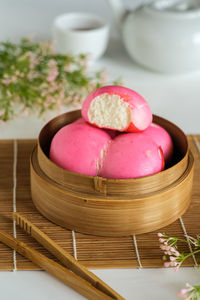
(176, 97)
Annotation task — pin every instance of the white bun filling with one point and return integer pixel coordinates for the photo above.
(109, 111)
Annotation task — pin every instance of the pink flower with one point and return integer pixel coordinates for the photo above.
(164, 247)
(14, 79)
(167, 264)
(46, 104)
(53, 87)
(176, 268)
(172, 258)
(172, 249)
(52, 63)
(176, 253)
(62, 94)
(52, 75)
(161, 240)
(183, 293)
(6, 81)
(50, 99)
(53, 70)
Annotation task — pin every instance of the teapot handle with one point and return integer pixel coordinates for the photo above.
(119, 11)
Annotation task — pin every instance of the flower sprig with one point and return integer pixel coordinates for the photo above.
(173, 258)
(33, 78)
(169, 244)
(190, 292)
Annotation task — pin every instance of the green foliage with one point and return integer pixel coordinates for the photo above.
(33, 78)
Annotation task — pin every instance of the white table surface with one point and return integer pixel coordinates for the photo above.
(176, 97)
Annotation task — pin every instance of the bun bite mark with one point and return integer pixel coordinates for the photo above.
(110, 111)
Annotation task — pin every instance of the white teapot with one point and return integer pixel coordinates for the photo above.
(163, 35)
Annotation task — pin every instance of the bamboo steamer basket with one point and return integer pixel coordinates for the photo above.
(110, 207)
(99, 185)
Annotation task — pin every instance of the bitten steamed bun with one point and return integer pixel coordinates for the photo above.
(132, 155)
(162, 138)
(118, 108)
(112, 133)
(78, 147)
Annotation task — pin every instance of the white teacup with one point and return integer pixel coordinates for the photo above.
(78, 32)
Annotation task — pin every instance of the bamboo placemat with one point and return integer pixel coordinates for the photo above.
(93, 252)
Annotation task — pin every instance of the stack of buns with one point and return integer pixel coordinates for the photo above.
(115, 138)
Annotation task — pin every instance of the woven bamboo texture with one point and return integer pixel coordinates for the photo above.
(94, 252)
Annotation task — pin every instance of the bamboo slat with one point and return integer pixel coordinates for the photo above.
(92, 251)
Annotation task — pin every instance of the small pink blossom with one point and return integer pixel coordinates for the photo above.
(164, 247)
(62, 94)
(172, 249)
(50, 99)
(161, 240)
(46, 104)
(6, 81)
(167, 264)
(14, 79)
(53, 70)
(53, 87)
(52, 75)
(176, 268)
(172, 258)
(176, 253)
(183, 293)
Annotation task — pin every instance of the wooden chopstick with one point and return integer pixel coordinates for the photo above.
(65, 258)
(57, 270)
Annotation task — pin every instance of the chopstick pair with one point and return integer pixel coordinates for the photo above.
(73, 274)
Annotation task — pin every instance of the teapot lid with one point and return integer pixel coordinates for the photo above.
(189, 8)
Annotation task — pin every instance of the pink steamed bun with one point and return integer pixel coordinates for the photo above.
(162, 138)
(118, 108)
(78, 147)
(112, 133)
(132, 155)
